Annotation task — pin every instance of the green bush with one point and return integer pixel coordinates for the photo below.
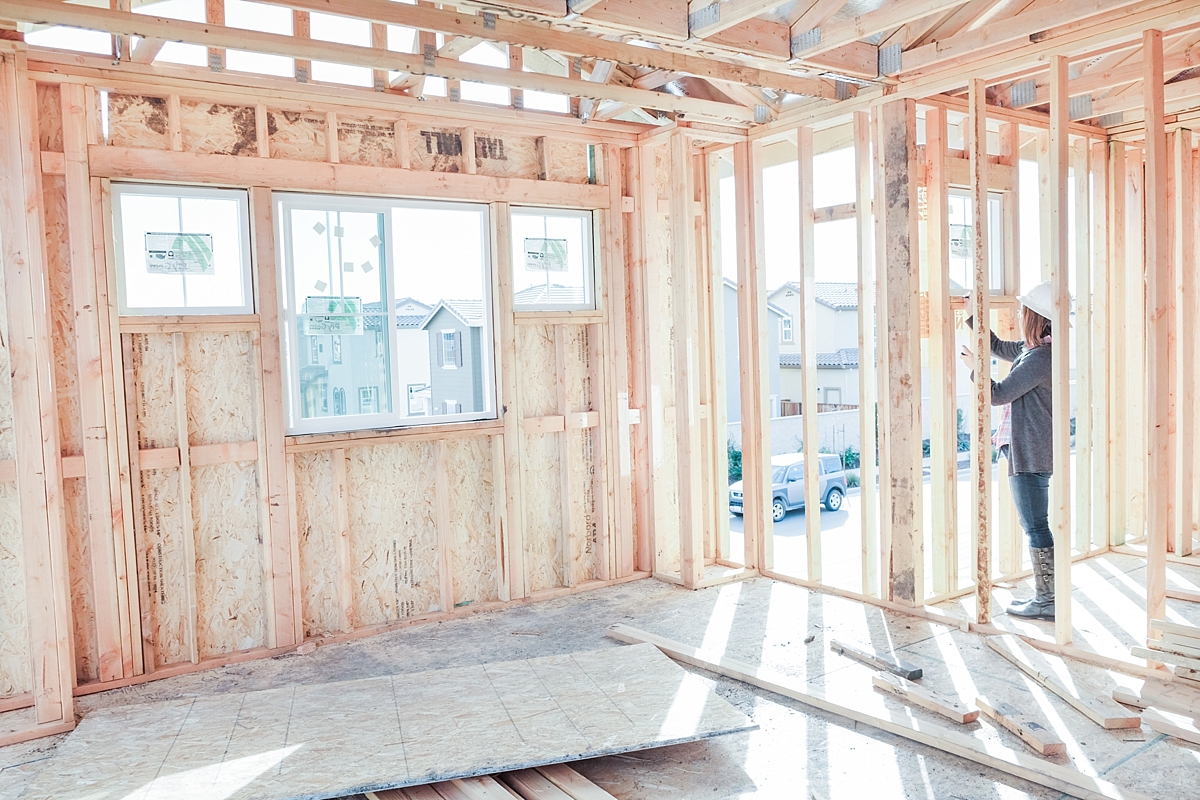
(735, 463)
(850, 458)
(851, 481)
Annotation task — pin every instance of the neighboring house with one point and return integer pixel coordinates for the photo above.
(456, 357)
(412, 344)
(733, 372)
(836, 339)
(552, 295)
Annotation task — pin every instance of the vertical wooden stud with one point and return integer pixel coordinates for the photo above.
(403, 149)
(1136, 343)
(808, 353)
(1184, 322)
(1009, 538)
(1102, 293)
(1083, 347)
(174, 124)
(297, 595)
(302, 29)
(1159, 288)
(129, 376)
(341, 517)
(867, 469)
(270, 606)
(185, 496)
(262, 131)
(981, 406)
(285, 589)
(943, 430)
(687, 411)
(516, 62)
(379, 42)
(542, 148)
(718, 402)
(1059, 235)
(468, 150)
(499, 493)
(215, 15)
(1118, 270)
(565, 457)
(331, 137)
(441, 490)
(641, 255)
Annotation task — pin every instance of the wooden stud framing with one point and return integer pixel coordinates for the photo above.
(179, 392)
(341, 515)
(331, 137)
(687, 411)
(445, 532)
(1079, 157)
(808, 353)
(943, 430)
(499, 517)
(641, 246)
(754, 356)
(129, 381)
(1159, 286)
(174, 125)
(1101, 341)
(1118, 429)
(868, 493)
(901, 450)
(39, 483)
(506, 358)
(981, 405)
(1135, 430)
(1183, 321)
(302, 29)
(1059, 235)
(718, 402)
(565, 456)
(1009, 538)
(262, 135)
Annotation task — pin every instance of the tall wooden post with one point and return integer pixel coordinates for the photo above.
(1059, 233)
(1118, 429)
(1159, 287)
(808, 353)
(1102, 453)
(981, 408)
(867, 469)
(1183, 322)
(900, 458)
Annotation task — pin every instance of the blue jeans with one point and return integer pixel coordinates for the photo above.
(1031, 494)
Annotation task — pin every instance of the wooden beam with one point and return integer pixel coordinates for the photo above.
(981, 405)
(445, 530)
(883, 661)
(341, 515)
(1101, 399)
(39, 482)
(688, 441)
(889, 15)
(179, 398)
(869, 532)
(943, 416)
(289, 622)
(1026, 727)
(901, 469)
(933, 734)
(1010, 538)
(146, 51)
(1159, 286)
(754, 356)
(218, 37)
(809, 14)
(1118, 431)
(1183, 324)
(706, 17)
(1059, 236)
(510, 398)
(808, 354)
(565, 457)
(918, 695)
(145, 164)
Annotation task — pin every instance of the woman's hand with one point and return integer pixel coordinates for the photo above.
(967, 357)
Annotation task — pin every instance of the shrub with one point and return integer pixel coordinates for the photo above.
(851, 481)
(850, 458)
(735, 463)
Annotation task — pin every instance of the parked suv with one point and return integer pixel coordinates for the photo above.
(787, 484)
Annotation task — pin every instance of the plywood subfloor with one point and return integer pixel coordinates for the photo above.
(336, 739)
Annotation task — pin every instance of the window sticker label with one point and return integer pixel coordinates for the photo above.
(179, 253)
(331, 316)
(546, 255)
(961, 241)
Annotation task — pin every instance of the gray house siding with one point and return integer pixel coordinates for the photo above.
(464, 383)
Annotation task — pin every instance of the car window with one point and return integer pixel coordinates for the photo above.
(831, 464)
(796, 473)
(777, 474)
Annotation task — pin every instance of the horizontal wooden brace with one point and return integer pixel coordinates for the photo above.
(190, 324)
(199, 455)
(315, 442)
(167, 165)
(559, 423)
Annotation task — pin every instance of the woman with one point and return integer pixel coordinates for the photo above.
(1024, 438)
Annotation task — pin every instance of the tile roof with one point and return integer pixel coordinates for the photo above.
(554, 294)
(840, 296)
(469, 311)
(844, 358)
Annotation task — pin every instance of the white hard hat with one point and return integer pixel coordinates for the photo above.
(1041, 299)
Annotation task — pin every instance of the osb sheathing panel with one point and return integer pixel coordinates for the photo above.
(220, 387)
(231, 606)
(218, 128)
(472, 504)
(83, 605)
(316, 525)
(506, 156)
(541, 478)
(393, 531)
(568, 162)
(14, 622)
(49, 102)
(368, 142)
(297, 135)
(581, 444)
(154, 368)
(138, 121)
(435, 149)
(62, 313)
(161, 563)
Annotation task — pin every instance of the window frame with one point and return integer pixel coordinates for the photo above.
(241, 196)
(591, 267)
(786, 328)
(396, 418)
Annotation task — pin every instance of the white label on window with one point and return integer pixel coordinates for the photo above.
(331, 316)
(960, 242)
(546, 255)
(179, 253)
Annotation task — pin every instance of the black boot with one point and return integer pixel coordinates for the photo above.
(1042, 604)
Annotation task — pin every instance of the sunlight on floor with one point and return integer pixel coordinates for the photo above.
(212, 782)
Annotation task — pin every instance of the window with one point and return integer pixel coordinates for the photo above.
(785, 329)
(182, 250)
(378, 296)
(833, 395)
(339, 402)
(552, 260)
(450, 356)
(796, 473)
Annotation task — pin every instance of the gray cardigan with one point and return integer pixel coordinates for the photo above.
(1028, 388)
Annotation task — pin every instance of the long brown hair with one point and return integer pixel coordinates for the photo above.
(1034, 327)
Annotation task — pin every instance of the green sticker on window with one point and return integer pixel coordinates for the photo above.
(546, 255)
(331, 316)
(179, 253)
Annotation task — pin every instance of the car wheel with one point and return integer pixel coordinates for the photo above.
(833, 500)
(778, 510)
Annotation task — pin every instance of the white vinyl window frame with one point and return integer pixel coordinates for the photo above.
(591, 273)
(241, 196)
(785, 328)
(283, 203)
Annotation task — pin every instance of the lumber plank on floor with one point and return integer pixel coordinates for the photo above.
(574, 784)
(452, 790)
(1166, 657)
(533, 785)
(426, 792)
(1100, 709)
(933, 734)
(1173, 644)
(918, 695)
(1162, 695)
(1162, 626)
(1026, 727)
(1172, 725)
(875, 659)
